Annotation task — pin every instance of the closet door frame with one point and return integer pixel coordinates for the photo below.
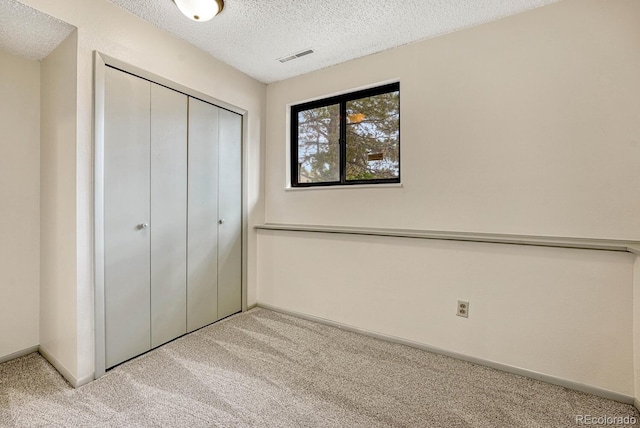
(101, 62)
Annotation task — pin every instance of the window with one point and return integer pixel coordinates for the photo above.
(348, 139)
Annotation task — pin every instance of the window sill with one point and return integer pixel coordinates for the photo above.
(345, 186)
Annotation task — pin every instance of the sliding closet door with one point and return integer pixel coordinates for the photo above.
(230, 213)
(126, 216)
(168, 214)
(202, 277)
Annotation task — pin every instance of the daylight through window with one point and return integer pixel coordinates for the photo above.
(349, 139)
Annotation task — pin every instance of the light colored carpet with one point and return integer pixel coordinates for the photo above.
(265, 369)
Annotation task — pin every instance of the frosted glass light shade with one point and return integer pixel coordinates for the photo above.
(200, 10)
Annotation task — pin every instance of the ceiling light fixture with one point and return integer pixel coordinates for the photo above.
(200, 10)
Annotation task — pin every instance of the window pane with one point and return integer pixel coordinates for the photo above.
(318, 144)
(373, 137)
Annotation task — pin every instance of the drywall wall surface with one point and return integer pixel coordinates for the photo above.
(110, 30)
(527, 125)
(565, 313)
(19, 203)
(58, 323)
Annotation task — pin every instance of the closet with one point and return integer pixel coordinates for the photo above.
(172, 214)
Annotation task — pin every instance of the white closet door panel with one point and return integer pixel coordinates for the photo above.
(168, 214)
(202, 266)
(126, 170)
(230, 211)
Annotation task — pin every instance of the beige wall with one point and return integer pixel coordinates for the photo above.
(58, 321)
(528, 125)
(104, 27)
(560, 312)
(19, 203)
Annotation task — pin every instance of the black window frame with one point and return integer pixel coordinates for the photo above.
(342, 100)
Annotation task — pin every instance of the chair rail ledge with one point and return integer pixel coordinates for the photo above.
(495, 238)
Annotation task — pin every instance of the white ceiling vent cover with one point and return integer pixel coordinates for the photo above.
(295, 55)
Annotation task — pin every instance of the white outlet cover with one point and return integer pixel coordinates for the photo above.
(463, 309)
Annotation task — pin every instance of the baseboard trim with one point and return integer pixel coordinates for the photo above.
(73, 381)
(84, 380)
(19, 354)
(636, 403)
(600, 392)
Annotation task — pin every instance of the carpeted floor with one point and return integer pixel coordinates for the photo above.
(265, 369)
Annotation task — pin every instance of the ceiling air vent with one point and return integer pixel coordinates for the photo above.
(295, 55)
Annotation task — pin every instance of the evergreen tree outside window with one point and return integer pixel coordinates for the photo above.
(348, 139)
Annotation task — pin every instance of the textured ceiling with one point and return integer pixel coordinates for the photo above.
(251, 35)
(29, 33)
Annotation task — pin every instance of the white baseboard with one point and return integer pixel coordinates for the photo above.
(18, 354)
(73, 381)
(600, 392)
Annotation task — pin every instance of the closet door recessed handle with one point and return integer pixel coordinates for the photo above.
(221, 221)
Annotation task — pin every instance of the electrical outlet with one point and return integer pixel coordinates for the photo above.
(463, 309)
